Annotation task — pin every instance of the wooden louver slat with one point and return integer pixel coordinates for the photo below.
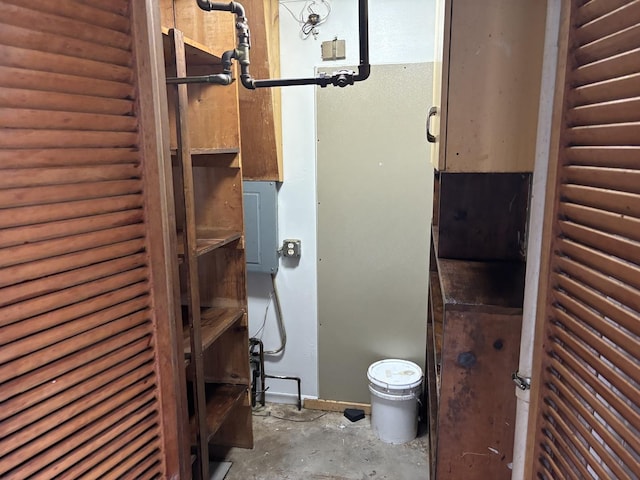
(91, 384)
(613, 354)
(588, 407)
(619, 179)
(621, 247)
(42, 425)
(120, 7)
(63, 101)
(80, 320)
(57, 63)
(107, 450)
(31, 81)
(62, 263)
(609, 46)
(38, 119)
(599, 334)
(46, 285)
(569, 363)
(52, 230)
(611, 22)
(94, 369)
(593, 9)
(85, 13)
(607, 68)
(29, 16)
(47, 42)
(612, 310)
(617, 111)
(568, 380)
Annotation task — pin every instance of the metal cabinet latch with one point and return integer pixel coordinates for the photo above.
(523, 383)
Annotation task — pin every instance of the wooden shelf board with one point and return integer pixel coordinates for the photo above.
(211, 157)
(196, 53)
(213, 323)
(491, 286)
(488, 286)
(209, 241)
(221, 399)
(209, 151)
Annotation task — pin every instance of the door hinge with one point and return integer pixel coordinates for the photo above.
(523, 383)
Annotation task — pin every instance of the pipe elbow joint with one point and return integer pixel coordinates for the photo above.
(364, 71)
(204, 5)
(226, 60)
(237, 9)
(248, 82)
(220, 79)
(233, 7)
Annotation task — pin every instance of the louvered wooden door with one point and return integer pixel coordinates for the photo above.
(585, 396)
(87, 344)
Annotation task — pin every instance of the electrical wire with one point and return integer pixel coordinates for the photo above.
(278, 311)
(273, 295)
(313, 18)
(291, 419)
(264, 318)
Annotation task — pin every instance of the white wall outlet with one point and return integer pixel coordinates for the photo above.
(291, 248)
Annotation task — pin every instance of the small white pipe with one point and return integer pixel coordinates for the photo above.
(536, 219)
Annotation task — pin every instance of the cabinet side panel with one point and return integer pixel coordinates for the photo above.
(477, 404)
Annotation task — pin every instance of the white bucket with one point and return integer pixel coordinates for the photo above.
(395, 388)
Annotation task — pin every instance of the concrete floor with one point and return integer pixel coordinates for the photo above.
(314, 445)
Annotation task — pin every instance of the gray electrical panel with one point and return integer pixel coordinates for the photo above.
(261, 226)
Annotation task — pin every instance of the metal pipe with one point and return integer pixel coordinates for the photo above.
(216, 79)
(232, 7)
(263, 390)
(341, 78)
(364, 68)
(297, 379)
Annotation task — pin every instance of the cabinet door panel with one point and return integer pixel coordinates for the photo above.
(477, 404)
(440, 83)
(494, 69)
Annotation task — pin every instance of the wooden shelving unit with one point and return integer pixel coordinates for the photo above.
(207, 178)
(213, 323)
(483, 133)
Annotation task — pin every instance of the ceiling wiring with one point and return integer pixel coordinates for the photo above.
(312, 14)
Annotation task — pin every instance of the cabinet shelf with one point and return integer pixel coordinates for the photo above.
(210, 157)
(209, 241)
(493, 286)
(209, 151)
(195, 52)
(221, 399)
(487, 286)
(213, 323)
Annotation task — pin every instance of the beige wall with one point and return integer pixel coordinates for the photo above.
(375, 185)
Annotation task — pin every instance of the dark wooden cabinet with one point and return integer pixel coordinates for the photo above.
(475, 312)
(483, 129)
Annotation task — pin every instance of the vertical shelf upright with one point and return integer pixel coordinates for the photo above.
(207, 180)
